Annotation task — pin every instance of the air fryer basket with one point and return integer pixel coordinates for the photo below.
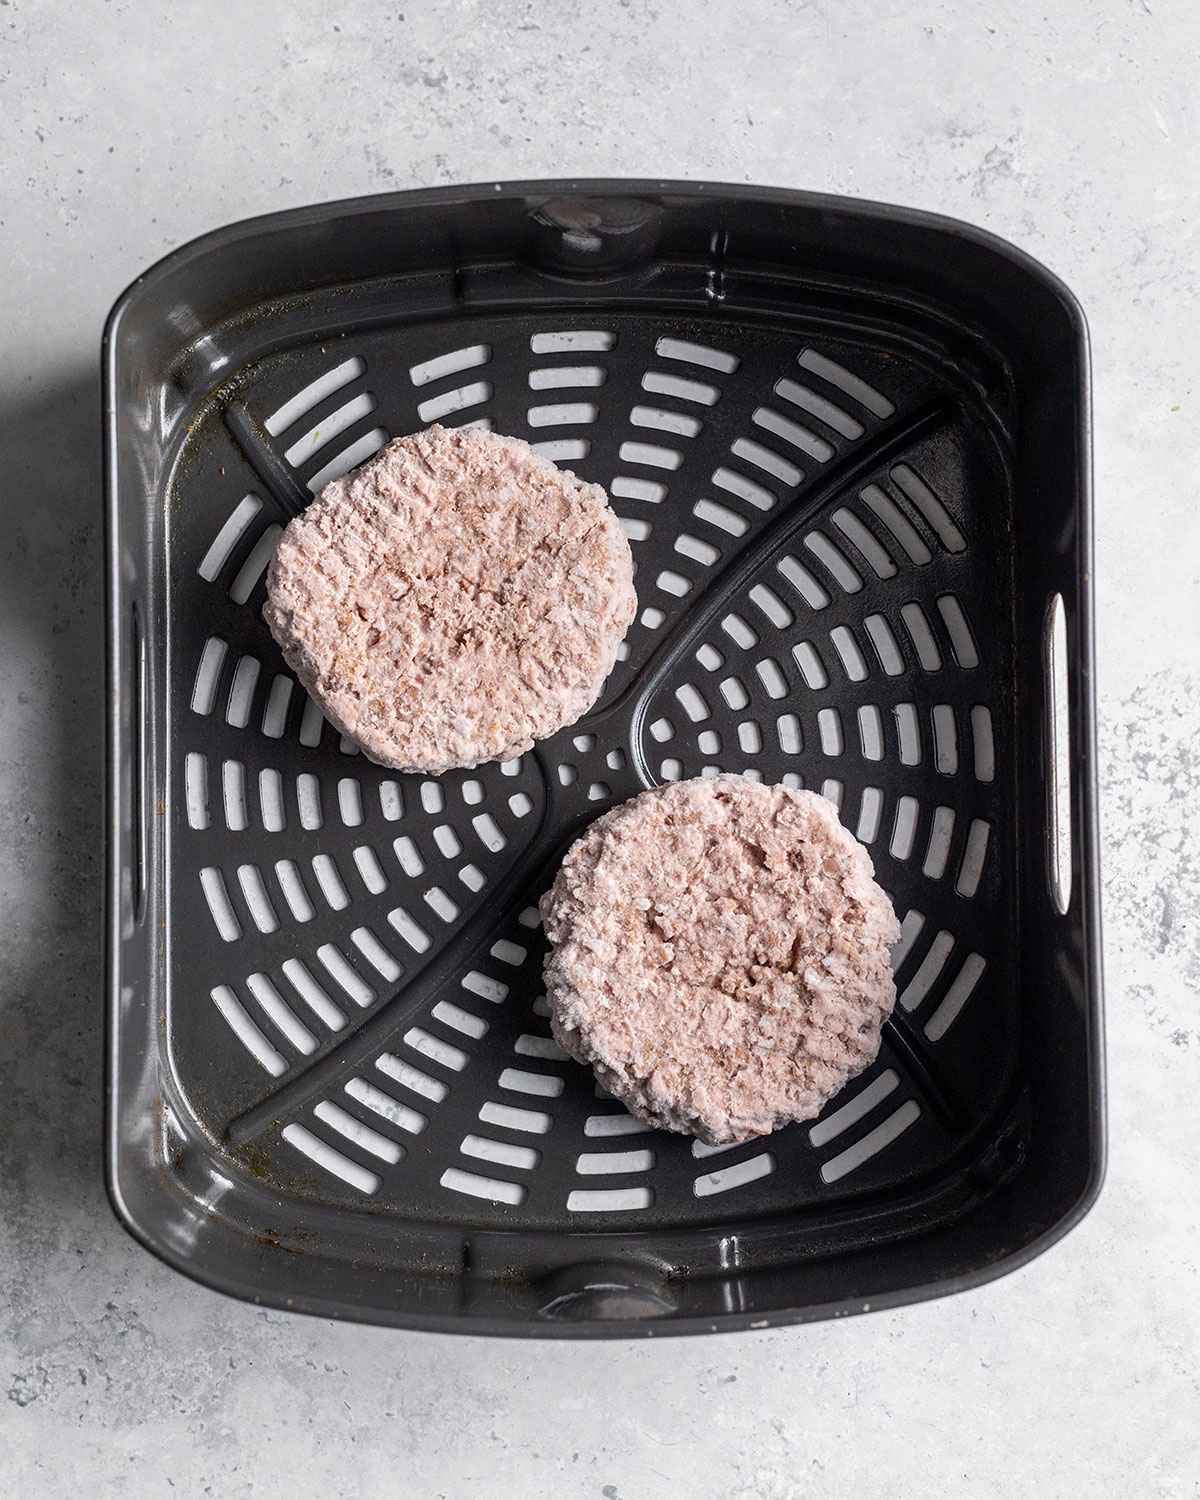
(849, 444)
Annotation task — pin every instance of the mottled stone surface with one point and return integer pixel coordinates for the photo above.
(1072, 129)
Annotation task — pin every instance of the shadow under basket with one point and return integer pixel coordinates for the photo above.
(850, 446)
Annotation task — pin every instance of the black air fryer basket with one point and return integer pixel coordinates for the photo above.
(850, 446)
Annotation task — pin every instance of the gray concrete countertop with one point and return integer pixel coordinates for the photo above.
(127, 128)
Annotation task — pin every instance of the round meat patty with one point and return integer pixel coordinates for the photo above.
(720, 956)
(453, 600)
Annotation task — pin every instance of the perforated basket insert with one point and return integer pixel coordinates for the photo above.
(849, 519)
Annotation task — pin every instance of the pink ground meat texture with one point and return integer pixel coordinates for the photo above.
(720, 956)
(453, 600)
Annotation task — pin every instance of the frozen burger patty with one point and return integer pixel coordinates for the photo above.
(720, 956)
(453, 600)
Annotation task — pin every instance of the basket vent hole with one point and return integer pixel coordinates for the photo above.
(403, 1073)
(598, 790)
(312, 724)
(220, 908)
(314, 996)
(435, 1049)
(541, 1085)
(512, 954)
(573, 341)
(355, 1131)
(767, 460)
(370, 872)
(771, 676)
(659, 383)
(960, 991)
(910, 931)
(441, 904)
(635, 530)
(679, 423)
(736, 1175)
(510, 1117)
(970, 871)
(584, 743)
(937, 851)
(562, 414)
(333, 426)
(544, 1047)
(472, 792)
(563, 450)
(817, 406)
(906, 534)
(746, 489)
(928, 655)
(829, 726)
(270, 800)
(558, 377)
(671, 769)
(608, 1200)
(708, 742)
(872, 1143)
(613, 1163)
(331, 1159)
(350, 801)
(845, 380)
(485, 986)
(884, 642)
(945, 739)
(234, 528)
(387, 1108)
(601, 1126)
(247, 1032)
(691, 546)
(803, 582)
(749, 737)
(928, 971)
(914, 489)
(520, 804)
(470, 357)
(568, 774)
(829, 1127)
(375, 953)
(294, 891)
(349, 458)
(615, 760)
(647, 490)
(904, 828)
(258, 903)
(472, 877)
(834, 560)
(908, 733)
(457, 1019)
(768, 602)
(653, 455)
(277, 1009)
(787, 727)
(869, 813)
(662, 730)
(489, 832)
(493, 1189)
(342, 972)
(412, 933)
(652, 617)
(962, 642)
(721, 517)
(208, 673)
(792, 432)
(832, 791)
(312, 395)
(697, 354)
(274, 719)
(447, 841)
(812, 668)
(503, 1153)
(739, 632)
(865, 540)
(849, 653)
(870, 731)
(329, 878)
(408, 856)
(692, 702)
(195, 786)
(674, 583)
